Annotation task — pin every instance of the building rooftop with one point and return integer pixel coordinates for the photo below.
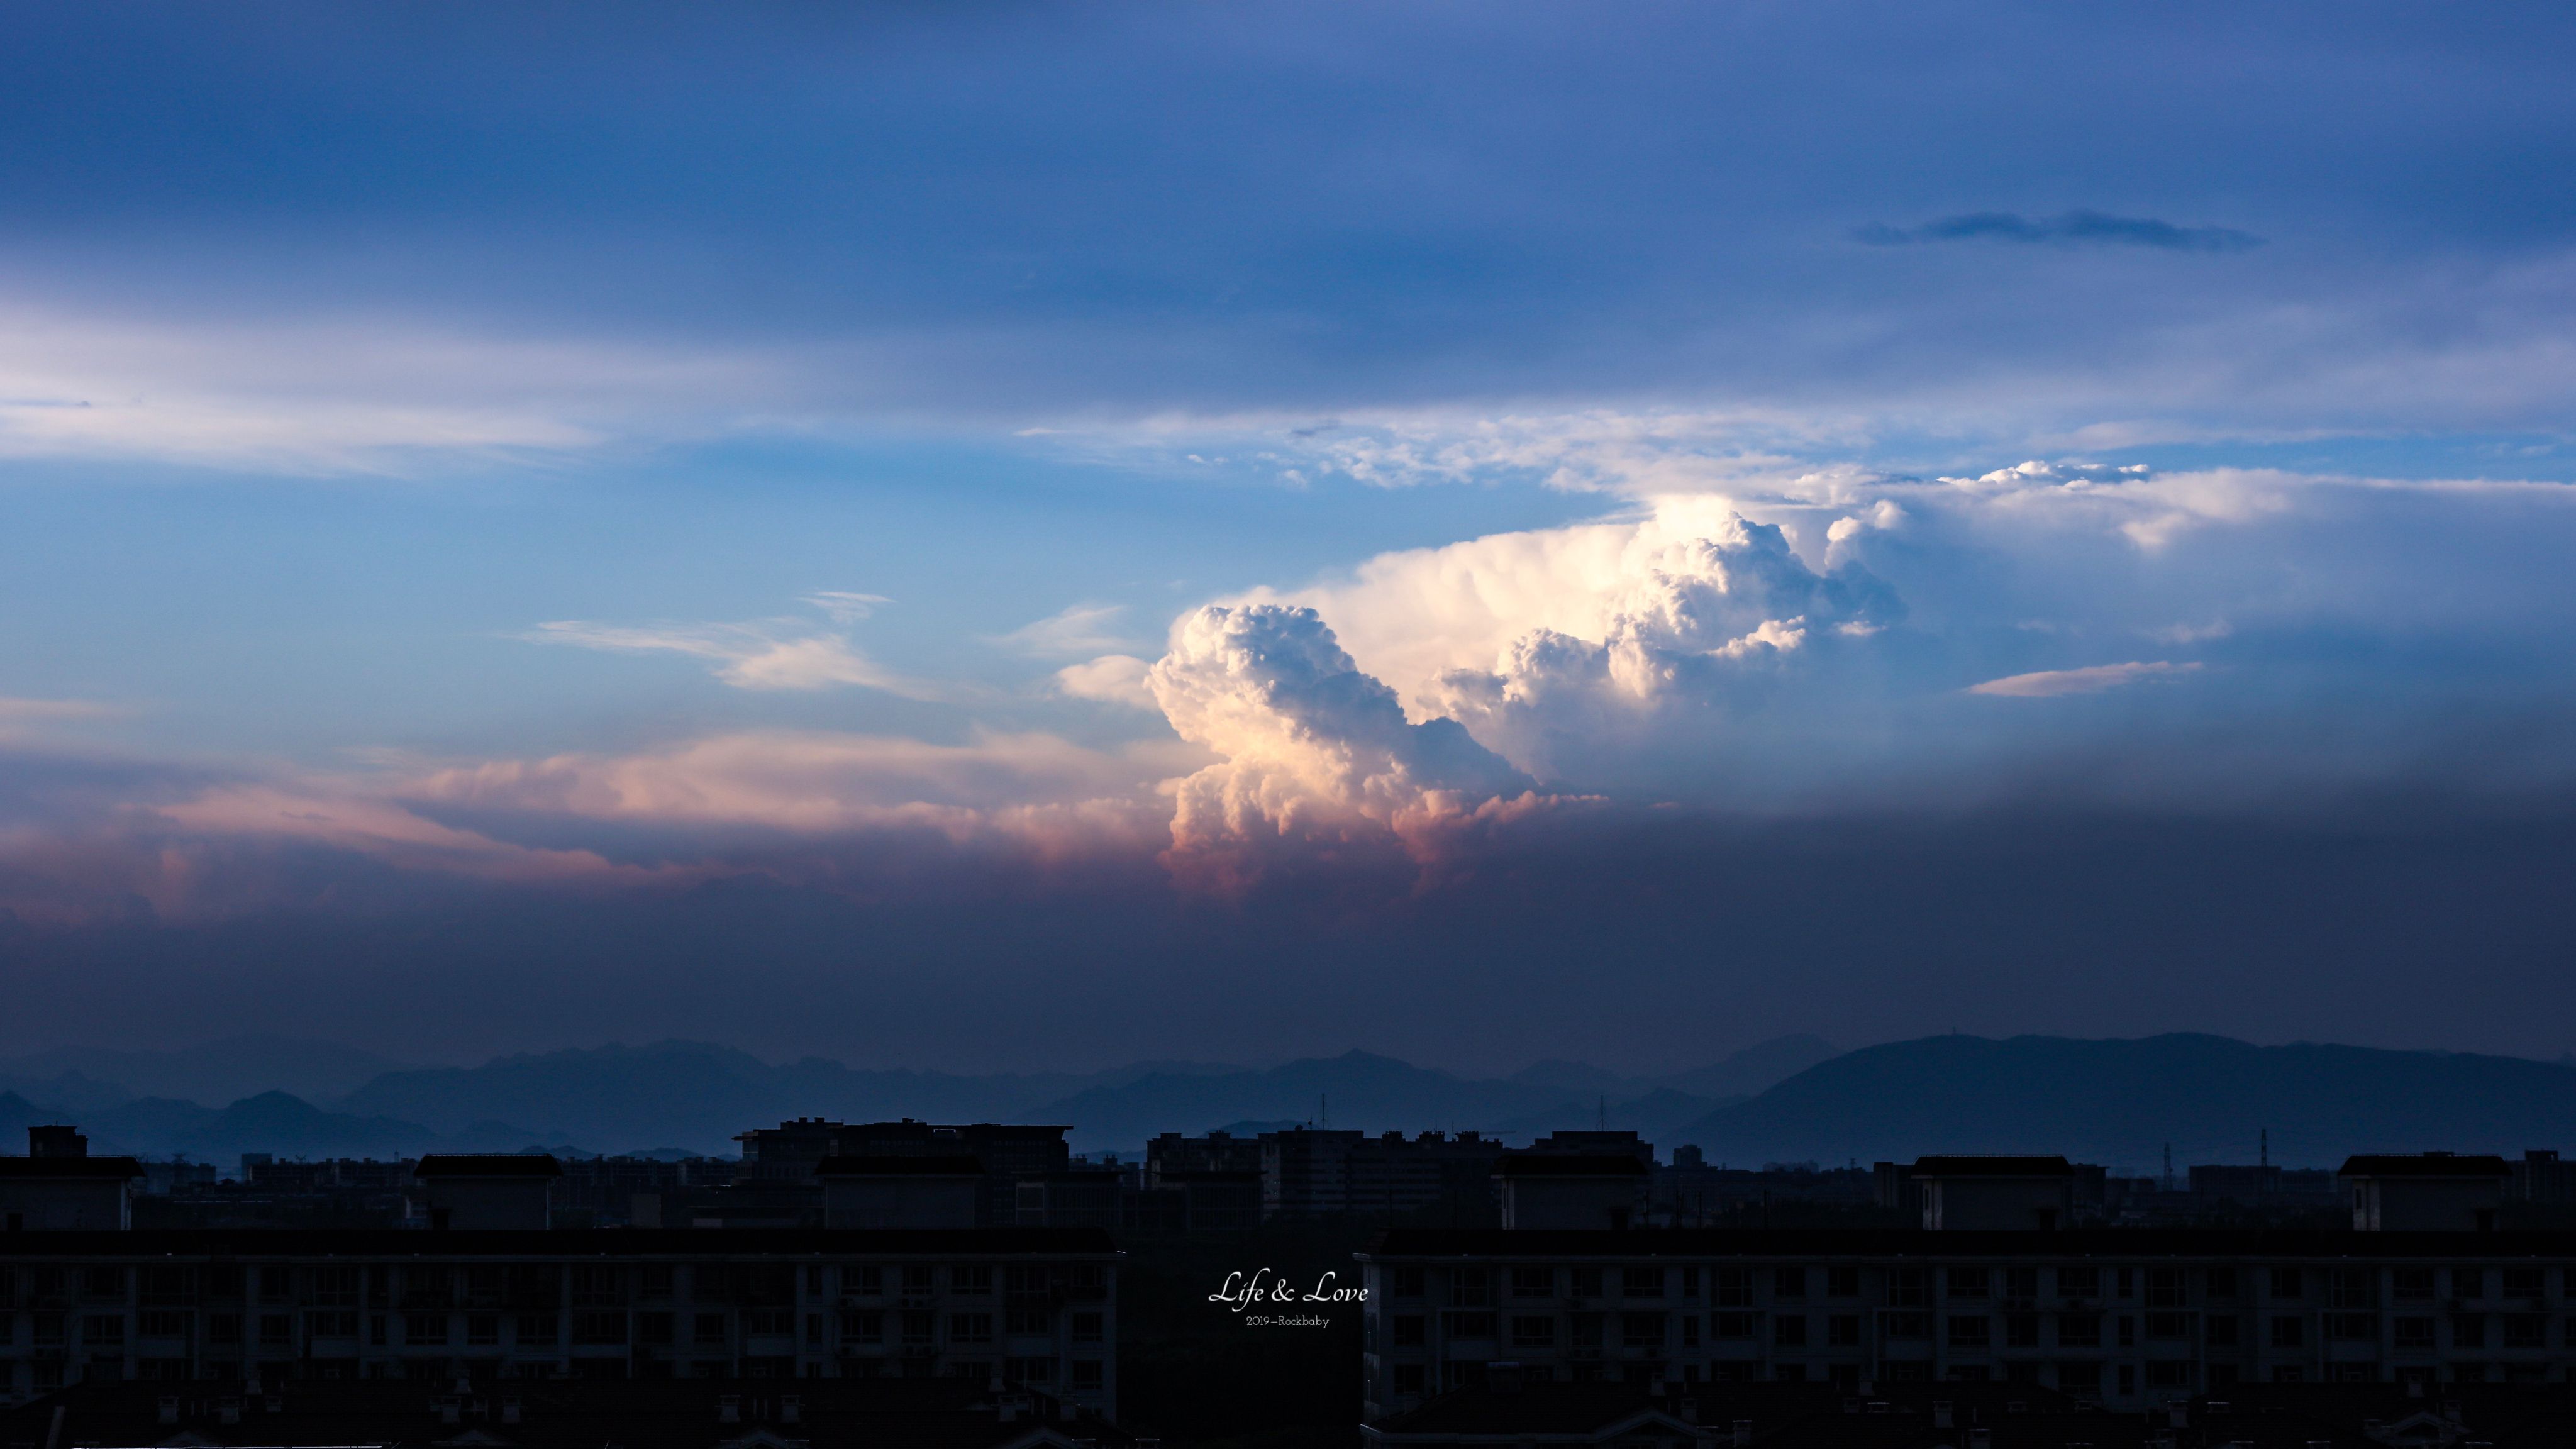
(2429, 1164)
(487, 1164)
(1995, 1166)
(557, 1243)
(2108, 1244)
(59, 1168)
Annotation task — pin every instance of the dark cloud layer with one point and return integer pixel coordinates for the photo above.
(2075, 228)
(1659, 939)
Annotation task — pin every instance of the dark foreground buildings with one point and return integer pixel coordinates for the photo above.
(1993, 1288)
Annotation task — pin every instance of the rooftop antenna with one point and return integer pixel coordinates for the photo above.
(1602, 1121)
(1324, 1109)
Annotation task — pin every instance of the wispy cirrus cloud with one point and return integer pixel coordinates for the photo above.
(2093, 679)
(2070, 229)
(771, 653)
(1078, 629)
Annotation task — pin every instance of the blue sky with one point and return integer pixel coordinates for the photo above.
(516, 458)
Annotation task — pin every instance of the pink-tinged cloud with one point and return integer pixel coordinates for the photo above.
(2048, 683)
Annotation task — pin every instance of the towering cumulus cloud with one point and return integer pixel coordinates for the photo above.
(1317, 756)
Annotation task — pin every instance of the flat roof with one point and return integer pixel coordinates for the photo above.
(2107, 1244)
(555, 1243)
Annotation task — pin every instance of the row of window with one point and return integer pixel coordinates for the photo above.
(591, 1286)
(588, 1328)
(1964, 1331)
(2162, 1287)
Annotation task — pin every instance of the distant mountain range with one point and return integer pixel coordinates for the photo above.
(2122, 1102)
(697, 1096)
(1795, 1099)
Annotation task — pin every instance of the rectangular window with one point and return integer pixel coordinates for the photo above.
(1027, 1321)
(1587, 1282)
(768, 1323)
(2021, 1282)
(2128, 1331)
(1690, 1330)
(2285, 1283)
(2468, 1282)
(813, 1329)
(2288, 1332)
(1641, 1282)
(2412, 1332)
(708, 1332)
(2164, 1288)
(1968, 1282)
(2411, 1285)
(484, 1329)
(277, 1330)
(1730, 1325)
(1408, 1377)
(1535, 1331)
(1843, 1282)
(2222, 1282)
(2220, 1330)
(1905, 1287)
(545, 1330)
(598, 1328)
(2468, 1330)
(1690, 1282)
(49, 1328)
(2021, 1330)
(1843, 1331)
(1909, 1325)
(863, 1282)
(2079, 1330)
(163, 1324)
(424, 1328)
(335, 1287)
(2526, 1330)
(2352, 1327)
(2079, 1378)
(1412, 1330)
(2525, 1283)
(2351, 1288)
(653, 1282)
(651, 1329)
(102, 1282)
(105, 1330)
(971, 1280)
(338, 1323)
(2168, 1325)
(1641, 1330)
(1087, 1328)
(920, 1325)
(1588, 1329)
(2079, 1282)
(1471, 1288)
(1789, 1330)
(1968, 1330)
(1087, 1376)
(223, 1328)
(1788, 1282)
(1731, 1287)
(970, 1328)
(1533, 1282)
(1474, 1325)
(863, 1327)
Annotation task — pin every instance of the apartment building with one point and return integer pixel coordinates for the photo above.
(2126, 1318)
(1030, 1306)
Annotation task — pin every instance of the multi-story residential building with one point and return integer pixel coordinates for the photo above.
(1309, 1172)
(1036, 1307)
(784, 1158)
(2123, 1317)
(1216, 1152)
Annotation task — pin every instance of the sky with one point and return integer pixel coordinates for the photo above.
(1044, 536)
